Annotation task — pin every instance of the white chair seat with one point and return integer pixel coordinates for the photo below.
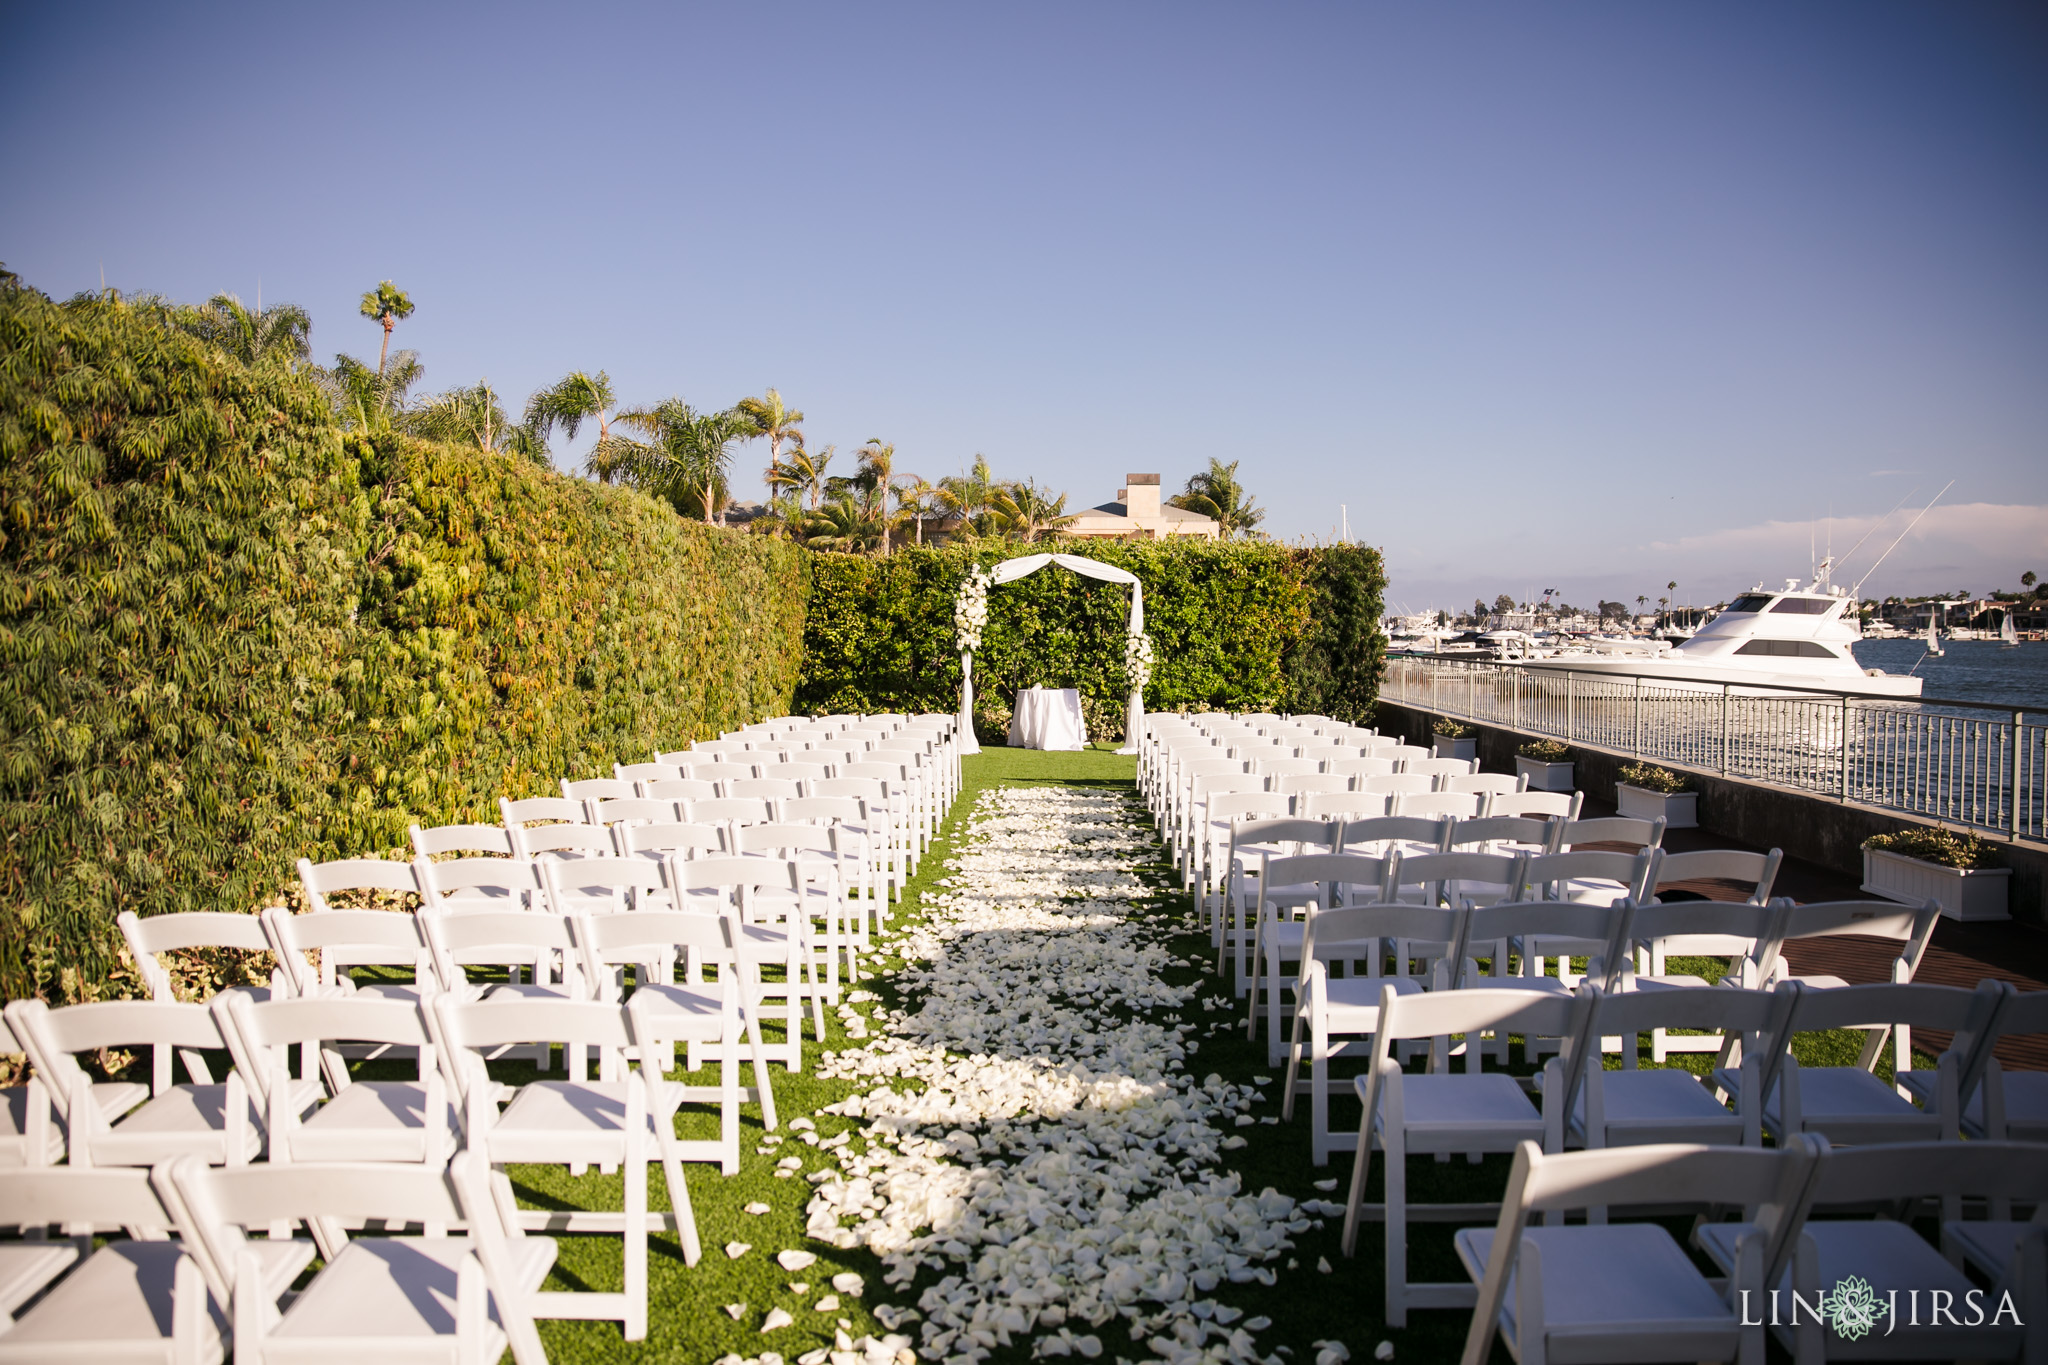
(697, 1004)
(1612, 1283)
(401, 1288)
(1676, 981)
(25, 1267)
(185, 1118)
(547, 1118)
(1447, 1105)
(1848, 1105)
(1658, 1105)
(368, 1121)
(1354, 1001)
(1988, 1245)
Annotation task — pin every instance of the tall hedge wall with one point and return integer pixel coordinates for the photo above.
(1234, 625)
(231, 636)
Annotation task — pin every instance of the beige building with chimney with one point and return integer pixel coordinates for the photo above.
(1139, 512)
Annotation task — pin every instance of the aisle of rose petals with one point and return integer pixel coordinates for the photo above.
(1033, 1159)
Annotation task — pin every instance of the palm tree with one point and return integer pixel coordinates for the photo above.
(575, 398)
(1026, 512)
(915, 499)
(970, 496)
(474, 415)
(281, 334)
(367, 398)
(686, 459)
(842, 523)
(771, 417)
(389, 305)
(1216, 493)
(875, 477)
(802, 472)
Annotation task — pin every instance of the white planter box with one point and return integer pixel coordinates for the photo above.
(1444, 747)
(1545, 777)
(1678, 810)
(1977, 893)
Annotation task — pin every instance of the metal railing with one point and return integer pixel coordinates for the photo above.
(1966, 763)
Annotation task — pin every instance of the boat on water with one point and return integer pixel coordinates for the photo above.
(1793, 637)
(1934, 650)
(2008, 635)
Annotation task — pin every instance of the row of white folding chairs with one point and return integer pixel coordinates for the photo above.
(933, 734)
(1174, 759)
(221, 1286)
(1445, 1114)
(1163, 731)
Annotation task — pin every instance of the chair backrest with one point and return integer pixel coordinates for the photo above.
(1889, 1173)
(892, 773)
(496, 937)
(724, 747)
(102, 1197)
(1302, 784)
(1720, 919)
(1435, 1014)
(517, 813)
(1434, 869)
(607, 941)
(1330, 871)
(1627, 1014)
(1631, 873)
(1443, 767)
(1456, 805)
(779, 837)
(826, 809)
(1947, 1008)
(512, 882)
(1359, 767)
(1502, 829)
(1758, 870)
(681, 789)
(798, 771)
(1612, 829)
(674, 837)
(733, 874)
(1348, 805)
(257, 1031)
(1202, 787)
(1555, 805)
(380, 936)
(1329, 927)
(1275, 768)
(1398, 784)
(1429, 831)
(489, 839)
(1209, 767)
(322, 880)
(1910, 926)
(646, 772)
(573, 886)
(1246, 833)
(1488, 784)
(874, 791)
(1526, 920)
(763, 789)
(553, 843)
(746, 810)
(599, 789)
(52, 1038)
(170, 933)
(632, 810)
(1405, 753)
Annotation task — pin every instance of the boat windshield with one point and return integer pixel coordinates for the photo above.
(1805, 606)
(1750, 601)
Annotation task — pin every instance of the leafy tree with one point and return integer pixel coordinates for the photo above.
(474, 416)
(842, 523)
(1216, 493)
(1503, 604)
(916, 499)
(577, 397)
(769, 416)
(802, 472)
(1027, 512)
(686, 459)
(365, 399)
(388, 305)
(971, 497)
(2028, 579)
(279, 335)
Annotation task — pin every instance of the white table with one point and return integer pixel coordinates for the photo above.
(1048, 718)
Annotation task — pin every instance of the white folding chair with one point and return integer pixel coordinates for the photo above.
(437, 1297)
(890, 841)
(345, 939)
(29, 1136)
(1250, 845)
(1441, 768)
(1849, 1104)
(459, 885)
(1438, 805)
(565, 842)
(517, 814)
(656, 842)
(860, 843)
(367, 1120)
(714, 1019)
(1912, 927)
(767, 938)
(598, 789)
(2012, 1105)
(1407, 835)
(646, 772)
(1610, 829)
(681, 789)
(1602, 1291)
(1544, 805)
(1332, 1007)
(1484, 784)
(1899, 1267)
(392, 882)
(136, 1300)
(1441, 1113)
(1397, 784)
(147, 938)
(169, 1119)
(1306, 882)
(490, 840)
(1359, 767)
(631, 810)
(575, 1123)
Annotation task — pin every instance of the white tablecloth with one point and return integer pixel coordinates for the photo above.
(1048, 718)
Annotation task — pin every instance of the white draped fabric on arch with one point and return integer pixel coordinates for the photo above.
(1009, 572)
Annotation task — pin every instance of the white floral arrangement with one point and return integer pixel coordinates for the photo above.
(1138, 659)
(970, 609)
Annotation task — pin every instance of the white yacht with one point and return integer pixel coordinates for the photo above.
(1791, 637)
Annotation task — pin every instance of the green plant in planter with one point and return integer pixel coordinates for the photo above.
(1949, 848)
(1451, 729)
(1650, 777)
(1545, 751)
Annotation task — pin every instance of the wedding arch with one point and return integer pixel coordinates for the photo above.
(970, 615)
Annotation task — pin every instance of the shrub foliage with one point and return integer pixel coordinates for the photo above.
(231, 637)
(1234, 625)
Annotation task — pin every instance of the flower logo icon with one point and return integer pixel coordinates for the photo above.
(1852, 1308)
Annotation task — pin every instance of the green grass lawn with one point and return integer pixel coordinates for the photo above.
(688, 1318)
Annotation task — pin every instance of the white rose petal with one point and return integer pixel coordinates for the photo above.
(794, 1261)
(828, 1304)
(777, 1319)
(758, 1208)
(735, 1311)
(735, 1250)
(848, 1283)
(1383, 1351)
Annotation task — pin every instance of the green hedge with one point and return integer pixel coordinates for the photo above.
(1242, 625)
(230, 636)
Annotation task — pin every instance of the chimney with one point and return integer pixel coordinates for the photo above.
(1141, 496)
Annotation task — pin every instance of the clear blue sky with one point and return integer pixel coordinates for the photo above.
(1580, 296)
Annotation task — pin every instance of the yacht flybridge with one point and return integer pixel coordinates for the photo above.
(1792, 637)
